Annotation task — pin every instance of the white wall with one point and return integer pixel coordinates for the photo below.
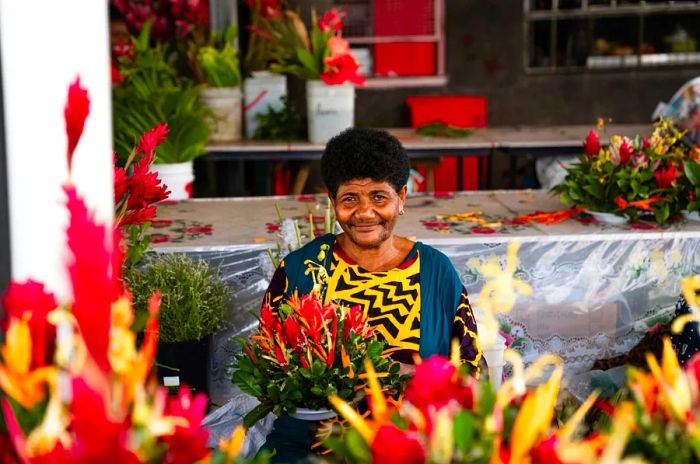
(44, 45)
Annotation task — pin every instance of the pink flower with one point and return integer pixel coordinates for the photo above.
(625, 153)
(75, 113)
(591, 146)
(332, 20)
(338, 46)
(189, 443)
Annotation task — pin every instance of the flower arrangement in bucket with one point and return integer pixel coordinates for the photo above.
(630, 179)
(75, 386)
(216, 65)
(323, 58)
(151, 92)
(306, 351)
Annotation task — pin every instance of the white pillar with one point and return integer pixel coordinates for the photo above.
(44, 45)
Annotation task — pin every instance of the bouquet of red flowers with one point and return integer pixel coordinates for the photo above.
(307, 351)
(631, 177)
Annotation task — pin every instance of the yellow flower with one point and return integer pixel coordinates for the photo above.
(233, 445)
(499, 291)
(52, 430)
(690, 287)
(672, 382)
(17, 380)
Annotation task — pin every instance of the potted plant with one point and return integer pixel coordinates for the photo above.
(263, 91)
(629, 179)
(219, 69)
(149, 92)
(324, 60)
(193, 301)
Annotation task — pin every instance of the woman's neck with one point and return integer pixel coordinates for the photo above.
(387, 255)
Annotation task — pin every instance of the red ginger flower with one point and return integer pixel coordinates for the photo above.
(75, 113)
(151, 139)
(188, 444)
(121, 184)
(31, 297)
(144, 185)
(331, 20)
(356, 320)
(625, 151)
(139, 216)
(665, 176)
(591, 146)
(394, 446)
(343, 68)
(292, 334)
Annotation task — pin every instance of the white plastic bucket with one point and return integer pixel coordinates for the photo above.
(225, 103)
(178, 177)
(262, 91)
(330, 109)
(494, 358)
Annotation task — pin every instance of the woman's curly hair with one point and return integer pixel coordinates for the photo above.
(359, 153)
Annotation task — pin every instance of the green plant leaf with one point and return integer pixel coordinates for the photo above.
(463, 430)
(692, 172)
(257, 413)
(247, 383)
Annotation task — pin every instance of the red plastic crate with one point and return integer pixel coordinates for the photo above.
(404, 59)
(403, 17)
(455, 110)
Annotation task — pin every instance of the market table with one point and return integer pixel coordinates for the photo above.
(597, 288)
(514, 141)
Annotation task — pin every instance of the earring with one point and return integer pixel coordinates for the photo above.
(401, 211)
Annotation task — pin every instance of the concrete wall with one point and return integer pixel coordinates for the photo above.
(484, 51)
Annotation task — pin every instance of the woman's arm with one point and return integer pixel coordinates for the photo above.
(464, 329)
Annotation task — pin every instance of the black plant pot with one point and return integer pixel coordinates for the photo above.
(186, 361)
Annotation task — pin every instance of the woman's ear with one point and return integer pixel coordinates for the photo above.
(402, 193)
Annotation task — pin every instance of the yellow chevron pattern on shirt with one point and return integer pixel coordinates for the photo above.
(390, 299)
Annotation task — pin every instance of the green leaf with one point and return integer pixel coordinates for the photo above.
(463, 430)
(318, 391)
(247, 383)
(662, 213)
(317, 368)
(257, 413)
(307, 61)
(595, 189)
(357, 447)
(692, 172)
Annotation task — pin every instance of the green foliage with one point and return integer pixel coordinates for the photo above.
(283, 124)
(219, 60)
(193, 296)
(440, 129)
(293, 51)
(150, 93)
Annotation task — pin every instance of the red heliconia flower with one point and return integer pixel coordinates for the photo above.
(625, 151)
(665, 176)
(151, 139)
(94, 278)
(691, 195)
(435, 385)
(269, 323)
(31, 297)
(139, 216)
(121, 184)
(621, 202)
(98, 436)
(331, 347)
(292, 334)
(394, 446)
(343, 68)
(187, 444)
(75, 113)
(331, 20)
(591, 146)
(356, 320)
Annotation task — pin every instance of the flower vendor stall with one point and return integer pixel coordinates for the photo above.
(596, 287)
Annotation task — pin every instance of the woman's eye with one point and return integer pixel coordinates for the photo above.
(379, 198)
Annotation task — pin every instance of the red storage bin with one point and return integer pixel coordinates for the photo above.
(455, 110)
(405, 59)
(403, 17)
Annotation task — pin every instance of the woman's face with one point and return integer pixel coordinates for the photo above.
(367, 210)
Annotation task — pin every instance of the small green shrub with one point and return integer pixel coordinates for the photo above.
(193, 296)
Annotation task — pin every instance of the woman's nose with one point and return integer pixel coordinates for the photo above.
(364, 208)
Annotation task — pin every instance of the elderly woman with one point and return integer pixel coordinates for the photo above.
(410, 291)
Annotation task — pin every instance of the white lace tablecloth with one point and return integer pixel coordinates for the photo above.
(597, 288)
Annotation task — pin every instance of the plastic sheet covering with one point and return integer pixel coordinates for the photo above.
(597, 288)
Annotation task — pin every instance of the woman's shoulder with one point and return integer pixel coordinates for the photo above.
(431, 253)
(309, 250)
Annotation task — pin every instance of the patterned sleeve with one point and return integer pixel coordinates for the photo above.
(464, 329)
(277, 288)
